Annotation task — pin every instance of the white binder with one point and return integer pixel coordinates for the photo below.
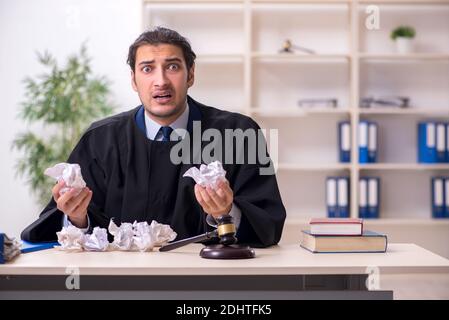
(343, 197)
(363, 198)
(331, 197)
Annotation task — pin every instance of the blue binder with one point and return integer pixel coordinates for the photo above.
(438, 195)
(31, 247)
(331, 197)
(343, 197)
(447, 142)
(373, 198)
(344, 141)
(427, 152)
(363, 198)
(446, 197)
(2, 246)
(441, 142)
(363, 141)
(372, 142)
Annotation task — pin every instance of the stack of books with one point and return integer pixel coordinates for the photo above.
(341, 235)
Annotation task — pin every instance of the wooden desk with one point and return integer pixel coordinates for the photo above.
(281, 272)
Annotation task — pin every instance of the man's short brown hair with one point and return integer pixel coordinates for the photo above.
(161, 35)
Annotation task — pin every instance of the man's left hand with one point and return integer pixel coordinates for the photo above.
(215, 202)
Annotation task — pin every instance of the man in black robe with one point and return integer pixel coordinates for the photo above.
(129, 168)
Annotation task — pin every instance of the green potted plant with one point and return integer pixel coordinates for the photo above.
(403, 37)
(62, 102)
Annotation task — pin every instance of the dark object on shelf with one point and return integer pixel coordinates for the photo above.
(290, 48)
(393, 101)
(227, 249)
(310, 103)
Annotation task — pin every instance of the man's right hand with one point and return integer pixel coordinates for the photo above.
(75, 207)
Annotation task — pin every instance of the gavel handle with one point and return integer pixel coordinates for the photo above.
(303, 49)
(183, 242)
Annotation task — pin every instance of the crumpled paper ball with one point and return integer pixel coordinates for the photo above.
(140, 236)
(143, 239)
(123, 235)
(97, 241)
(71, 239)
(208, 175)
(163, 233)
(70, 173)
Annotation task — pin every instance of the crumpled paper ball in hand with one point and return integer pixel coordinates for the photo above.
(70, 173)
(208, 175)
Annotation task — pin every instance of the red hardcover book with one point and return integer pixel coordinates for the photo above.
(336, 226)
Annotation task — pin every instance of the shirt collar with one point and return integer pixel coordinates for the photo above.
(152, 127)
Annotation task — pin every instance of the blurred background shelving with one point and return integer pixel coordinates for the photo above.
(240, 68)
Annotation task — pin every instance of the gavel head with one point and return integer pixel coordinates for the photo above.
(287, 46)
(226, 230)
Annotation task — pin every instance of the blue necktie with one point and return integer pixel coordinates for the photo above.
(166, 131)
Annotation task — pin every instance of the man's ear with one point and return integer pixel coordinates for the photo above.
(133, 81)
(191, 76)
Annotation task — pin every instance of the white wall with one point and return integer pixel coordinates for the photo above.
(59, 26)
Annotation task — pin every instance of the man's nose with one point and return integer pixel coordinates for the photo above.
(161, 78)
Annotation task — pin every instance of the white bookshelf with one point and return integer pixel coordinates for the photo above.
(239, 68)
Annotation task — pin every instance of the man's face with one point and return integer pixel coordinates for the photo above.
(161, 79)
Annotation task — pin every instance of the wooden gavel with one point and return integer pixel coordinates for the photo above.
(225, 231)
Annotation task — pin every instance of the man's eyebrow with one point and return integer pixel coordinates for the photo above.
(173, 59)
(146, 62)
(166, 60)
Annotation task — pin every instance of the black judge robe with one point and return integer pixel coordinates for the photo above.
(132, 178)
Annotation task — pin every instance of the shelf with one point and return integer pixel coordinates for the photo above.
(294, 220)
(402, 1)
(243, 67)
(204, 2)
(404, 166)
(406, 222)
(394, 57)
(313, 167)
(304, 24)
(297, 112)
(197, 5)
(299, 58)
(404, 111)
(332, 5)
(219, 58)
(301, 1)
(425, 84)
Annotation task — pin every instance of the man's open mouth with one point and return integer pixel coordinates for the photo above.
(162, 97)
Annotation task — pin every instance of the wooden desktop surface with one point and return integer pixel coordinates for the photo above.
(278, 260)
